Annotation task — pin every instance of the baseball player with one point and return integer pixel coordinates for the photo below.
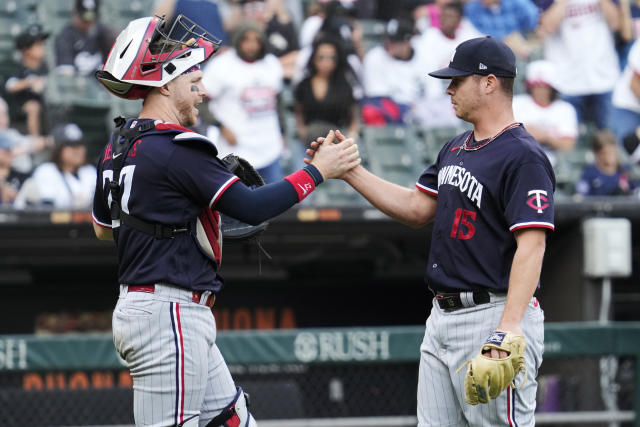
(490, 194)
(159, 194)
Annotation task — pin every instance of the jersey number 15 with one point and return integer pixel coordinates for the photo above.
(463, 227)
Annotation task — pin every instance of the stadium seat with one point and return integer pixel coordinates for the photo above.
(336, 193)
(372, 32)
(568, 168)
(75, 90)
(433, 139)
(393, 153)
(54, 14)
(118, 13)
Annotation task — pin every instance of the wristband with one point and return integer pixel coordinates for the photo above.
(302, 181)
(315, 174)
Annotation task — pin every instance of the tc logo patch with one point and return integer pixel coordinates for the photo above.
(538, 200)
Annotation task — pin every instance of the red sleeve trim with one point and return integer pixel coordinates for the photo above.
(302, 182)
(533, 225)
(427, 190)
(100, 224)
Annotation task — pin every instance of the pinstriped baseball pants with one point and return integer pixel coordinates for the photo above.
(452, 338)
(168, 342)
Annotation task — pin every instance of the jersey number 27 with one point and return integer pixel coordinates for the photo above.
(126, 177)
(463, 227)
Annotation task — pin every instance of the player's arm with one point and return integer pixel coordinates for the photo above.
(411, 207)
(524, 277)
(254, 206)
(102, 233)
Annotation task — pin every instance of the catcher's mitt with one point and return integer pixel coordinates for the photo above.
(486, 377)
(232, 228)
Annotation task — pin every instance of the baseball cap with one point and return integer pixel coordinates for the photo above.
(87, 9)
(29, 36)
(67, 134)
(483, 56)
(399, 30)
(541, 71)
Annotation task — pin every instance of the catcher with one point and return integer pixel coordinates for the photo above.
(160, 191)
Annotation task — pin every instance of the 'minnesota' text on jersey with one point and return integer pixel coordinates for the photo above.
(485, 192)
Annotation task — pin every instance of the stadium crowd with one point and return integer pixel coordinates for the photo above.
(290, 70)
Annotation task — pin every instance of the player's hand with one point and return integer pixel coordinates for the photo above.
(313, 145)
(499, 354)
(333, 160)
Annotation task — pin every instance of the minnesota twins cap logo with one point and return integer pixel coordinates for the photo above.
(538, 200)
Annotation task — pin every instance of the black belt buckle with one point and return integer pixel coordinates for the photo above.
(453, 301)
(449, 302)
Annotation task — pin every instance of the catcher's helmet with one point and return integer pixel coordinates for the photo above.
(146, 55)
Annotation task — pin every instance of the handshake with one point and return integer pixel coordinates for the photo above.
(333, 155)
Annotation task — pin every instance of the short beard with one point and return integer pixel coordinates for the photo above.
(186, 117)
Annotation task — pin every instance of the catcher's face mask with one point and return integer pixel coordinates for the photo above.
(146, 54)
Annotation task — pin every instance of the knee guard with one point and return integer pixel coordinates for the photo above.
(236, 414)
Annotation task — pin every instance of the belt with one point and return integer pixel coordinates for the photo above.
(458, 300)
(196, 296)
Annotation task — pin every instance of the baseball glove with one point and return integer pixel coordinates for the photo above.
(486, 377)
(232, 228)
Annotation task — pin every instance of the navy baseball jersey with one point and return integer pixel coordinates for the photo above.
(170, 176)
(485, 192)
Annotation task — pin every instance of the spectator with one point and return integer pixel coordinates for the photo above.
(625, 115)
(438, 43)
(280, 34)
(605, 177)
(394, 77)
(551, 121)
(10, 179)
(631, 145)
(326, 96)
(243, 84)
(27, 150)
(282, 37)
(629, 28)
(507, 20)
(579, 41)
(67, 182)
(337, 18)
(312, 23)
(205, 13)
(26, 86)
(427, 15)
(82, 46)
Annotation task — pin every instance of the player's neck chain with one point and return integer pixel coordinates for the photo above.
(484, 142)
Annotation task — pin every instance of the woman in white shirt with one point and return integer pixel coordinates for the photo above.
(550, 120)
(66, 182)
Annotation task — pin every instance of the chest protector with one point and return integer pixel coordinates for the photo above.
(205, 228)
